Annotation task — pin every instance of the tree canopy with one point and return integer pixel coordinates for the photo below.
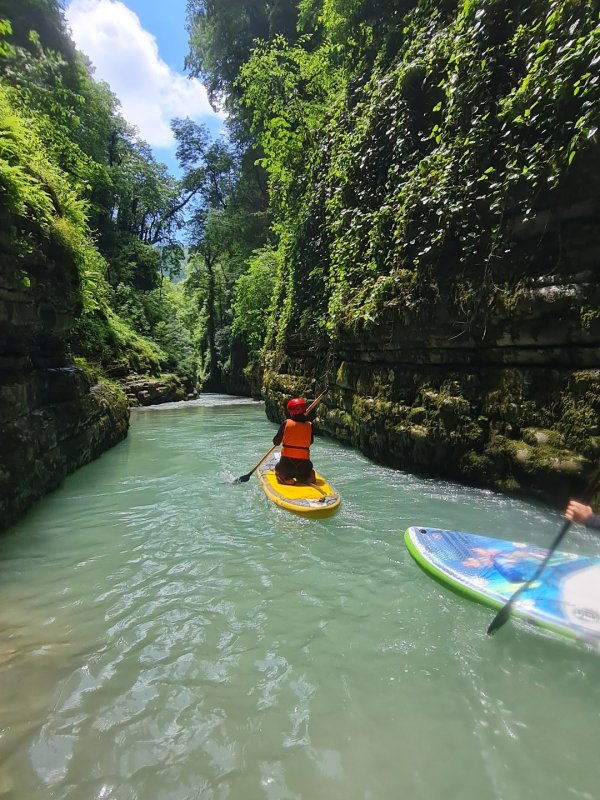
(133, 226)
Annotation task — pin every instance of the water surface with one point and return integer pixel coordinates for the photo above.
(166, 635)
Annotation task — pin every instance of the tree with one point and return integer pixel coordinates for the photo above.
(214, 170)
(46, 18)
(223, 33)
(226, 221)
(102, 186)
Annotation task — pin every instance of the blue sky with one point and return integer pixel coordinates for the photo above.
(138, 47)
(166, 21)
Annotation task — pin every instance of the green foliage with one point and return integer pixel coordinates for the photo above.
(405, 142)
(289, 90)
(91, 372)
(80, 188)
(45, 17)
(135, 265)
(161, 315)
(54, 93)
(106, 340)
(6, 49)
(227, 222)
(222, 34)
(43, 209)
(252, 298)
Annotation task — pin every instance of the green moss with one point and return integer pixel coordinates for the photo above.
(579, 410)
(499, 428)
(111, 397)
(522, 459)
(42, 209)
(91, 372)
(103, 338)
(417, 415)
(588, 317)
(509, 485)
(478, 468)
(541, 436)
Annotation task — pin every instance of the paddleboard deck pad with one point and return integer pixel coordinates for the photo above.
(306, 500)
(565, 598)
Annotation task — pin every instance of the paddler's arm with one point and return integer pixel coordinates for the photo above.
(278, 438)
(579, 512)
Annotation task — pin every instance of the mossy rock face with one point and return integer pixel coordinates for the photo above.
(540, 436)
(283, 386)
(513, 405)
(54, 417)
(530, 431)
(417, 415)
(53, 422)
(143, 390)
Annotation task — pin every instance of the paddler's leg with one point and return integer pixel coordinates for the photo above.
(284, 471)
(305, 474)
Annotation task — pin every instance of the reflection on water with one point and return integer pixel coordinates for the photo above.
(165, 634)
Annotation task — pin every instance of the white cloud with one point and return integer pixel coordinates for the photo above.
(126, 57)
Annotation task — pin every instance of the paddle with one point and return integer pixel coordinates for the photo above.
(246, 477)
(318, 488)
(504, 613)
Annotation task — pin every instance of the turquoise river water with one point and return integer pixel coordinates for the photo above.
(166, 635)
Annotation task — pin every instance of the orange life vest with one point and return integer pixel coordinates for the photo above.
(296, 439)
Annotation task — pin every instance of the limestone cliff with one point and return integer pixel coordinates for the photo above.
(52, 418)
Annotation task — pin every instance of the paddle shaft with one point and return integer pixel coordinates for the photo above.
(318, 488)
(504, 613)
(317, 400)
(266, 455)
(502, 616)
(246, 477)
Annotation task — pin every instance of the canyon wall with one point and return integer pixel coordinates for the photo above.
(512, 403)
(53, 419)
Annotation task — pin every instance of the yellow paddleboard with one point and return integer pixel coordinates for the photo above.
(317, 501)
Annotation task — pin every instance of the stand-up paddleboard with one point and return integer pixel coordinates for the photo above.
(565, 598)
(306, 500)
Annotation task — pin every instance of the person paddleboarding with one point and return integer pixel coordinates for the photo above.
(295, 435)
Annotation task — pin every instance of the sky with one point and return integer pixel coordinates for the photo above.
(138, 47)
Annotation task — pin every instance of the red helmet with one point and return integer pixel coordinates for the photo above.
(296, 406)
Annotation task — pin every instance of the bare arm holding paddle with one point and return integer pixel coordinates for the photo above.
(579, 512)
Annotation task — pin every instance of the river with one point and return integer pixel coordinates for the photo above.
(166, 635)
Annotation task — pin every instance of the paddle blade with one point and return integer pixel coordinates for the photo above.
(499, 620)
(243, 478)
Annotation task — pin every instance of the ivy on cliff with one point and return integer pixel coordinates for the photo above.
(402, 163)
